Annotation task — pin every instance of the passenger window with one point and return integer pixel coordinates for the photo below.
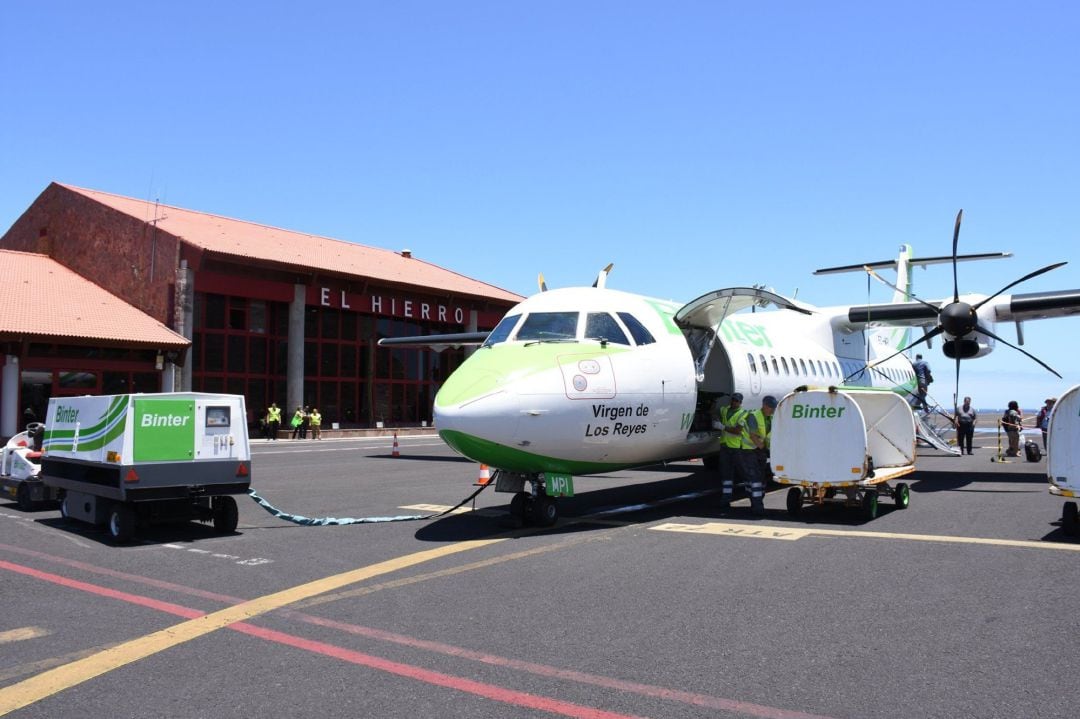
(776, 367)
(502, 330)
(602, 326)
(783, 361)
(795, 367)
(540, 326)
(764, 364)
(753, 365)
(802, 364)
(641, 335)
(821, 368)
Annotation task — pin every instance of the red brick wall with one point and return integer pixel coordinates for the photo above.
(125, 256)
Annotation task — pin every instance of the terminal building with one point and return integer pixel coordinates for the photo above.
(105, 294)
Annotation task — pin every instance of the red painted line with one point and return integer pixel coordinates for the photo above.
(142, 601)
(461, 684)
(488, 691)
(544, 670)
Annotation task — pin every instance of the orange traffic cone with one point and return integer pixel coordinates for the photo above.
(396, 452)
(484, 478)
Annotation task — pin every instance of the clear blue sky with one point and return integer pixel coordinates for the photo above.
(696, 145)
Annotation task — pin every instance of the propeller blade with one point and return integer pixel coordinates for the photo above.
(955, 240)
(885, 282)
(988, 333)
(956, 388)
(1026, 277)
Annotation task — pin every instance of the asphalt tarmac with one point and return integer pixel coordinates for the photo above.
(644, 600)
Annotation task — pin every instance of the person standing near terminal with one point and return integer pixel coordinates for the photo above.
(296, 422)
(273, 421)
(966, 416)
(1011, 423)
(316, 423)
(1042, 421)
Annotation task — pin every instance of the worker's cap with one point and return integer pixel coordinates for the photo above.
(736, 397)
(768, 401)
(1051, 399)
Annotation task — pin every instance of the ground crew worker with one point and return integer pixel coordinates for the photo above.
(762, 439)
(273, 421)
(316, 423)
(731, 421)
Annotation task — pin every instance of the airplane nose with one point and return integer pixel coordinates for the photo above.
(480, 422)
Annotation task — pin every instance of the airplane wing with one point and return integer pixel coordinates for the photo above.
(709, 310)
(438, 342)
(1004, 308)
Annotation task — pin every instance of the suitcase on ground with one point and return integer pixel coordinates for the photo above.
(1032, 451)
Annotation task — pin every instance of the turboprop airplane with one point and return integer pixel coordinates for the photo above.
(587, 380)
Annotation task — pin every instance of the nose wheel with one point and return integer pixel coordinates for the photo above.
(536, 509)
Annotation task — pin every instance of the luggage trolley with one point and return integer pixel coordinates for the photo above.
(1063, 457)
(843, 446)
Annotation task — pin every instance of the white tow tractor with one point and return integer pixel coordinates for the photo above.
(125, 460)
(1063, 457)
(843, 447)
(20, 469)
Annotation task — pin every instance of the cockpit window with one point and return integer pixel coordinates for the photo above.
(602, 326)
(541, 326)
(641, 335)
(502, 330)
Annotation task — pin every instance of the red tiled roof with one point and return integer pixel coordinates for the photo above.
(39, 297)
(270, 244)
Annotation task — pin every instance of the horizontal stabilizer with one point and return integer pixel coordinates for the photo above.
(914, 261)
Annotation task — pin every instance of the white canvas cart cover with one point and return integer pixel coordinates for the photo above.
(822, 436)
(1063, 449)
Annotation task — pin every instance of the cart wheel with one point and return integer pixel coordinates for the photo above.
(869, 505)
(121, 523)
(1070, 518)
(65, 513)
(22, 496)
(830, 492)
(226, 515)
(902, 496)
(794, 501)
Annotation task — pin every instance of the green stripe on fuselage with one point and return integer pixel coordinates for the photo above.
(514, 460)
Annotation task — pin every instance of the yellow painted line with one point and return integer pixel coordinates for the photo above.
(766, 532)
(22, 634)
(56, 680)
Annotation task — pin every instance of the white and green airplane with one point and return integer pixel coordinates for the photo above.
(586, 380)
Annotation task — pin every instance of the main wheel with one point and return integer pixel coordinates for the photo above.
(121, 523)
(226, 515)
(1070, 518)
(22, 496)
(65, 512)
(794, 501)
(869, 505)
(545, 511)
(902, 496)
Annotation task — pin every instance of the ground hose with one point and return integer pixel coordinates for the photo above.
(331, 521)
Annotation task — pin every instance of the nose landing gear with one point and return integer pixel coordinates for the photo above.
(534, 507)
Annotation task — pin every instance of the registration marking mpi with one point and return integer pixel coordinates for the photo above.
(734, 530)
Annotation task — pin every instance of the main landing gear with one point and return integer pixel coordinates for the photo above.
(534, 506)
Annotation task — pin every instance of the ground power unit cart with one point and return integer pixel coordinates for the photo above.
(128, 460)
(1063, 457)
(843, 447)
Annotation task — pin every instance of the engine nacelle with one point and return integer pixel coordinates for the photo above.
(970, 347)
